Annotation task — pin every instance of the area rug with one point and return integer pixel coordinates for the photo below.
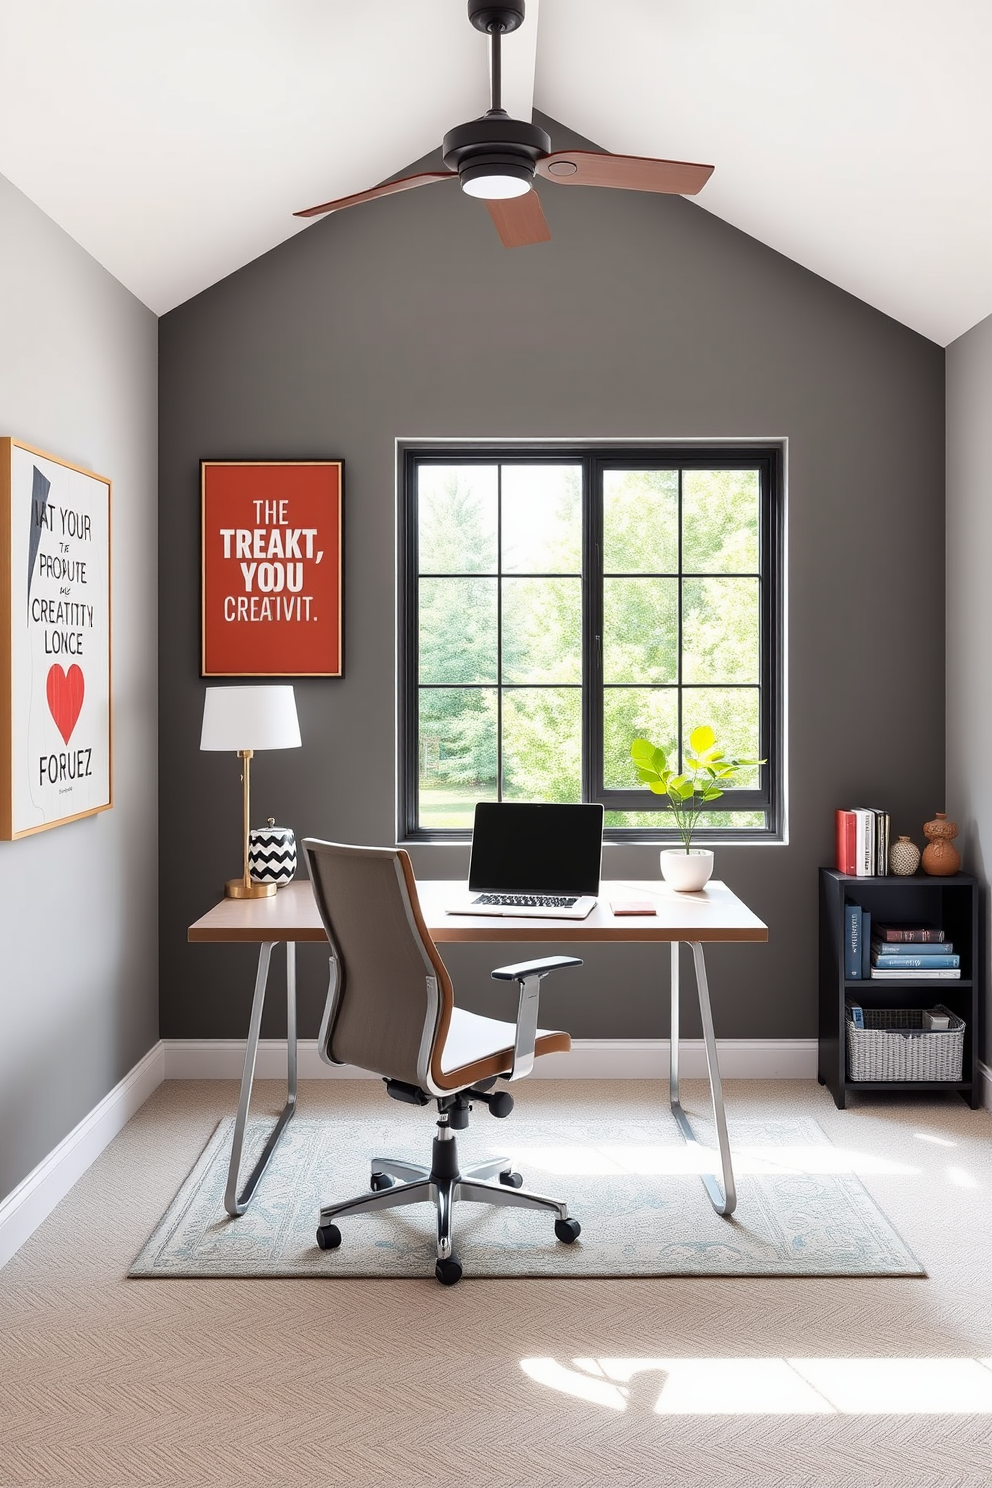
(634, 1187)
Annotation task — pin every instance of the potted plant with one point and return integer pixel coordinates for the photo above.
(706, 768)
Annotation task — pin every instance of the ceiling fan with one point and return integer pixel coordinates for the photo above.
(496, 157)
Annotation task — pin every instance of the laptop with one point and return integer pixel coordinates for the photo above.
(533, 861)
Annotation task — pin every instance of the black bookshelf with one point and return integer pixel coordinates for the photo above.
(952, 903)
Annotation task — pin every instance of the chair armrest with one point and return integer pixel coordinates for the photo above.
(527, 968)
(529, 974)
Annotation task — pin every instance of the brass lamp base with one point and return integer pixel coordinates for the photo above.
(236, 888)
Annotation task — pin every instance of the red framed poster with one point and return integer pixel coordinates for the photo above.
(271, 568)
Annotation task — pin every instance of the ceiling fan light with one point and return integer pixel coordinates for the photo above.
(495, 185)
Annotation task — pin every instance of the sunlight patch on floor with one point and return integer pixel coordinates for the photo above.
(962, 1179)
(773, 1386)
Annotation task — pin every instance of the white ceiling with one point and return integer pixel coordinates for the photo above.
(174, 138)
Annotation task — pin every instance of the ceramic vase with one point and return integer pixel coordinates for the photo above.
(687, 872)
(904, 857)
(272, 854)
(940, 857)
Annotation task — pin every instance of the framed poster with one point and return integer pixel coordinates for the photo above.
(271, 568)
(55, 705)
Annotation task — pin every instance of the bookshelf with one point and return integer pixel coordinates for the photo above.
(950, 902)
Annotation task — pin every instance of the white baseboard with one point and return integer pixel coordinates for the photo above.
(34, 1198)
(590, 1059)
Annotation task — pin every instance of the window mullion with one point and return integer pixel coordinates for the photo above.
(499, 632)
(592, 647)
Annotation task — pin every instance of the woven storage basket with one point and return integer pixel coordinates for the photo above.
(894, 1045)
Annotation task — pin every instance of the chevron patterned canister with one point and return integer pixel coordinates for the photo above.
(272, 853)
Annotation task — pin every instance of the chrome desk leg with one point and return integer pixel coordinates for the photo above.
(234, 1203)
(724, 1202)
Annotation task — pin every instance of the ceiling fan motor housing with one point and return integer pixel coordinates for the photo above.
(495, 145)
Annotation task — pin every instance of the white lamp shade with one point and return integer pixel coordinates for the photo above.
(250, 718)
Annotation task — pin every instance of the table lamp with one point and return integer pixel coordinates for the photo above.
(245, 719)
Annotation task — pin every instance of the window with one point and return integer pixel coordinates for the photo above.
(558, 604)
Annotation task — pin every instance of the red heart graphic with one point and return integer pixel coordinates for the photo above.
(65, 697)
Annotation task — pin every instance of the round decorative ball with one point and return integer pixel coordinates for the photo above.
(940, 857)
(904, 857)
(272, 854)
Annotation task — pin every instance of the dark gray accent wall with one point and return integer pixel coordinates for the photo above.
(79, 903)
(969, 610)
(645, 317)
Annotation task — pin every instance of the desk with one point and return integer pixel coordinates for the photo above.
(714, 914)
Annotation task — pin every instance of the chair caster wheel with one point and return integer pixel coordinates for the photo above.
(448, 1271)
(328, 1237)
(380, 1181)
(567, 1230)
(511, 1180)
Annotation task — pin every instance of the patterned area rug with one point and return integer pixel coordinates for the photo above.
(634, 1187)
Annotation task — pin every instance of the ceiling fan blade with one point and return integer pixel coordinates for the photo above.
(405, 183)
(520, 220)
(629, 172)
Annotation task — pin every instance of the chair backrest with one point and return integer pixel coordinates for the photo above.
(391, 1005)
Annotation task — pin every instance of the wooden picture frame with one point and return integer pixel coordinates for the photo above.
(271, 575)
(56, 717)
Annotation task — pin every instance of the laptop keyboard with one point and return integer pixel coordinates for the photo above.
(528, 901)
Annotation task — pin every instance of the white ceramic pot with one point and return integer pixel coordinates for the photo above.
(686, 871)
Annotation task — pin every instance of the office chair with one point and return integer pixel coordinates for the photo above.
(390, 1009)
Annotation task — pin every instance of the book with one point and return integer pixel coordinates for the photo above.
(879, 974)
(865, 943)
(846, 829)
(632, 907)
(914, 934)
(876, 849)
(864, 842)
(911, 947)
(853, 954)
(882, 830)
(921, 963)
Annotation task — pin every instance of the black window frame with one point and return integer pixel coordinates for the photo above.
(768, 457)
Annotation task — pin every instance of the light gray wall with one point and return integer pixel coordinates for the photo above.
(969, 602)
(645, 317)
(78, 904)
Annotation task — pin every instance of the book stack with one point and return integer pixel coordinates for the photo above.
(863, 842)
(913, 953)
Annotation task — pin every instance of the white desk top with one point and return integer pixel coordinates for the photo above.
(713, 914)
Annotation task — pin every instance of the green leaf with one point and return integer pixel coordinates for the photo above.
(711, 793)
(702, 738)
(641, 750)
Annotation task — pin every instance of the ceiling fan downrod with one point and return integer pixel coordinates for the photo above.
(495, 156)
(497, 21)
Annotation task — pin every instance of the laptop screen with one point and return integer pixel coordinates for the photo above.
(524, 848)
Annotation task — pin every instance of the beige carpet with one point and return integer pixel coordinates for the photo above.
(700, 1383)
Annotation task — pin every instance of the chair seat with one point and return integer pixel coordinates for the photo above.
(477, 1048)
